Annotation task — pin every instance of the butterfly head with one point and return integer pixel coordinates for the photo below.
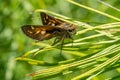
(71, 29)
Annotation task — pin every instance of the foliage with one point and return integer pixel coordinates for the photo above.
(95, 53)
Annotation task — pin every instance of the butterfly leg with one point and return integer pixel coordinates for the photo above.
(56, 41)
(71, 39)
(61, 46)
(62, 42)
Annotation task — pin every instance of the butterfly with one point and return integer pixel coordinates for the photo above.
(52, 27)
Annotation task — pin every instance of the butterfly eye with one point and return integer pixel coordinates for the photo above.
(71, 30)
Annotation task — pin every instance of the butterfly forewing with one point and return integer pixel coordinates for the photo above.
(40, 33)
(48, 20)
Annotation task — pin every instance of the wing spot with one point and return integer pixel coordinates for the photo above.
(37, 32)
(43, 32)
(53, 24)
(49, 23)
(46, 17)
(32, 27)
(30, 32)
(44, 20)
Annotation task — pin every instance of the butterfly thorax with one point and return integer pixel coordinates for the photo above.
(69, 28)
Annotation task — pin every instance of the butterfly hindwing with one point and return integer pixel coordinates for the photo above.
(40, 33)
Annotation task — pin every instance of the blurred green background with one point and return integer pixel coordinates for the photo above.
(15, 13)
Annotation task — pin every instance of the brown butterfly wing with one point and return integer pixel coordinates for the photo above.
(49, 20)
(40, 33)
